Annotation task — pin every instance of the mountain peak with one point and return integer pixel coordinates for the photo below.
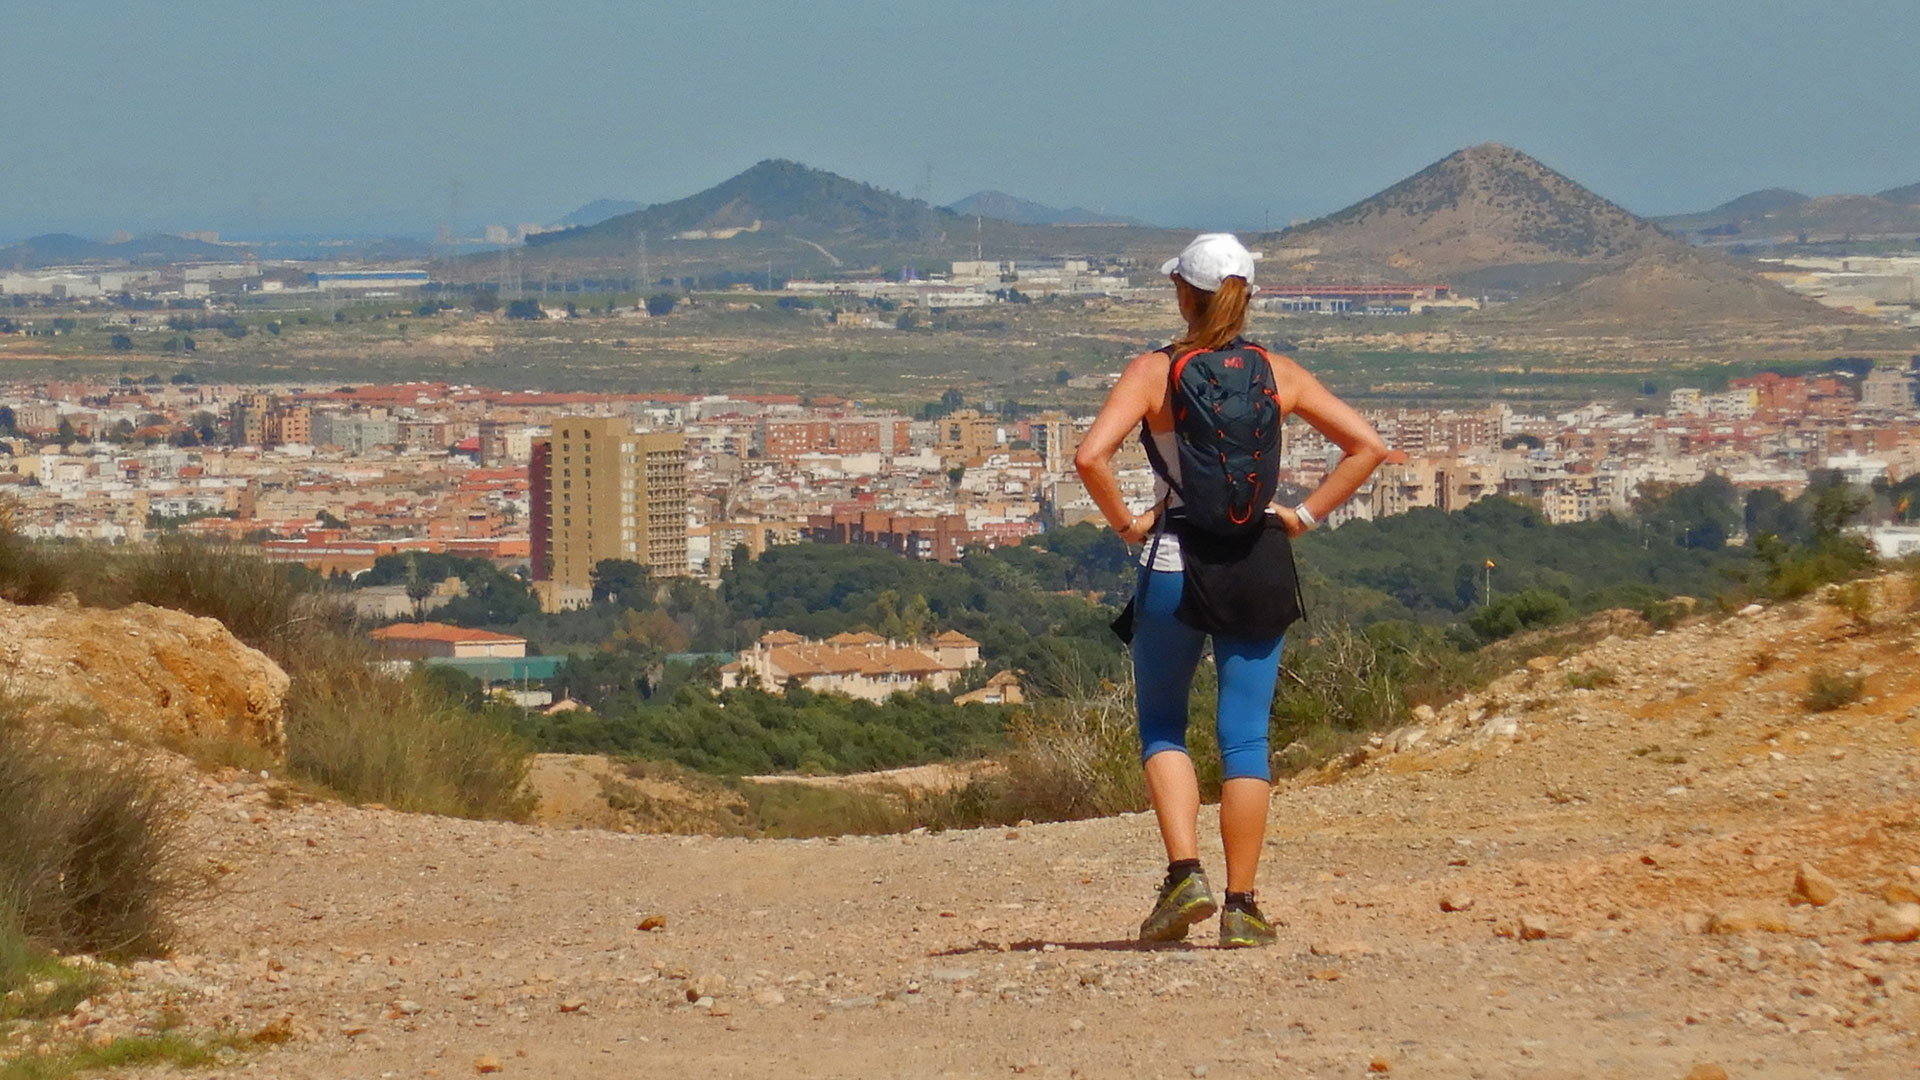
(1489, 151)
(1486, 205)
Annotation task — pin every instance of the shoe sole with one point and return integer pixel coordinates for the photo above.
(1183, 920)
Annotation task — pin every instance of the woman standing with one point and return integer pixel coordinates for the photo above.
(1213, 281)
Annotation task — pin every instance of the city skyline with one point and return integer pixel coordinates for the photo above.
(274, 118)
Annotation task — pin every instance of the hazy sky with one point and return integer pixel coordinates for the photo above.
(346, 116)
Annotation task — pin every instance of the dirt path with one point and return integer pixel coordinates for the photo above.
(1618, 822)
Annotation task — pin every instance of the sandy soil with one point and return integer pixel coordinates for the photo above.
(1608, 847)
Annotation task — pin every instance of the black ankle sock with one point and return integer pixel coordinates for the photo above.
(1181, 869)
(1239, 901)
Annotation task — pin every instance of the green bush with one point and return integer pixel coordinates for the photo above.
(1352, 681)
(1665, 614)
(793, 811)
(1856, 601)
(93, 858)
(746, 731)
(1529, 609)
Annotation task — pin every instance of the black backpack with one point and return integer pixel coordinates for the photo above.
(1226, 421)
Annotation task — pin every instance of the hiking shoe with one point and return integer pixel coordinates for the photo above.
(1182, 903)
(1243, 927)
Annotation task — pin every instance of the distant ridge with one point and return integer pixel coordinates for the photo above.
(1906, 196)
(1776, 214)
(1675, 290)
(1485, 207)
(773, 193)
(1005, 207)
(598, 211)
(60, 249)
(783, 219)
(1753, 206)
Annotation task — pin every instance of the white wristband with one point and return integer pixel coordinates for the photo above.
(1305, 515)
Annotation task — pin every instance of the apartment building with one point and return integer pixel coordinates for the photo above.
(608, 492)
(788, 438)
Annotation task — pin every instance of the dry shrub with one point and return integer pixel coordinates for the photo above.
(801, 810)
(93, 858)
(1830, 690)
(1591, 678)
(373, 735)
(1075, 757)
(30, 573)
(1856, 601)
(270, 606)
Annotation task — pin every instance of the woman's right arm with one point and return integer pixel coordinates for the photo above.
(1141, 387)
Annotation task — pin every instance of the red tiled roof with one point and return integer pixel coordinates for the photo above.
(433, 631)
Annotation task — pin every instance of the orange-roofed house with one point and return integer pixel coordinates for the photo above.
(859, 664)
(418, 641)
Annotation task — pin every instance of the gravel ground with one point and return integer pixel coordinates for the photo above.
(1624, 863)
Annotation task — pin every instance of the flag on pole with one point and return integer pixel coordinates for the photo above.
(1489, 564)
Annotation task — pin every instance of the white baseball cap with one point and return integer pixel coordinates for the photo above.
(1210, 259)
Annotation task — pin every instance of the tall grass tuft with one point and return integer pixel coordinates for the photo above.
(270, 606)
(369, 734)
(1075, 756)
(400, 740)
(1341, 684)
(93, 859)
(29, 574)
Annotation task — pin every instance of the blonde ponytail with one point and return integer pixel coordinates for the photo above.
(1222, 315)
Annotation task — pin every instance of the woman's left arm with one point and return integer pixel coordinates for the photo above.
(1365, 450)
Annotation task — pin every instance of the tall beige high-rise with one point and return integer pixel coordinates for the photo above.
(615, 493)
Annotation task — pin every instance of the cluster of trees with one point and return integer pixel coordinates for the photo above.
(1429, 566)
(740, 732)
(1497, 567)
(493, 596)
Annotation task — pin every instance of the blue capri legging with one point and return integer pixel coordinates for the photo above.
(1165, 653)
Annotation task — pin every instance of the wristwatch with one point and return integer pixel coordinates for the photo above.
(1306, 516)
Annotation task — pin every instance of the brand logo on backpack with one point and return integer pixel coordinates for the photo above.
(1227, 421)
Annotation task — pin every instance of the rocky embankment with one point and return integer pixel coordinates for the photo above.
(1645, 859)
(148, 671)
